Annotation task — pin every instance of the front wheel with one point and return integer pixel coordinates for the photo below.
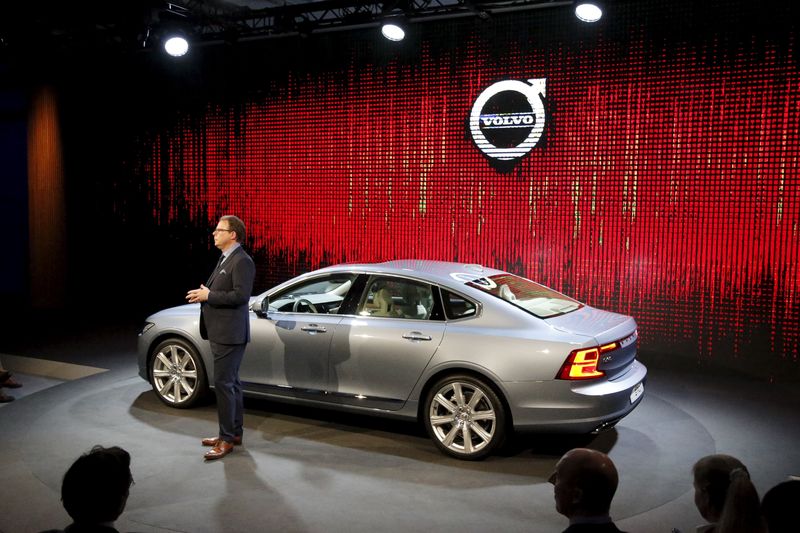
(177, 374)
(465, 417)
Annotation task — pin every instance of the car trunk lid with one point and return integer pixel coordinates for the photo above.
(606, 327)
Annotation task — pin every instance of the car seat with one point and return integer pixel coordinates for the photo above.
(506, 294)
(382, 303)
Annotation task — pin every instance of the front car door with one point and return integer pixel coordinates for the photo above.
(288, 353)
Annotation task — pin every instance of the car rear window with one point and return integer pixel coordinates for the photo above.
(528, 295)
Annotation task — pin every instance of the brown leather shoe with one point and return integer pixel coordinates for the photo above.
(219, 451)
(212, 441)
(10, 383)
(5, 398)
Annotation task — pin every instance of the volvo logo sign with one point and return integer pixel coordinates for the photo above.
(507, 119)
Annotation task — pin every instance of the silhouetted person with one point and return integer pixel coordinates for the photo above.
(584, 483)
(95, 490)
(725, 496)
(779, 507)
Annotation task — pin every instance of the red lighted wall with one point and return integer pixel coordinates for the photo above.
(665, 185)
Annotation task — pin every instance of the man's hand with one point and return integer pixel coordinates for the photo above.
(195, 296)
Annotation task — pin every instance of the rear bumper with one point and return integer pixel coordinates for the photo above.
(574, 406)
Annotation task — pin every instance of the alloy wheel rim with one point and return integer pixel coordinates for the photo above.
(462, 417)
(175, 374)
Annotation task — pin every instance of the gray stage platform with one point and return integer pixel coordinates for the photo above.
(306, 470)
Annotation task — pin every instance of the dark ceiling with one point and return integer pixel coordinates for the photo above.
(139, 24)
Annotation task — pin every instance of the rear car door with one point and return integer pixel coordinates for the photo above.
(378, 354)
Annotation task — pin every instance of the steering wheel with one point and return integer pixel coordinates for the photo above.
(299, 301)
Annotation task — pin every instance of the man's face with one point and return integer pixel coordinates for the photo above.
(563, 488)
(701, 501)
(223, 236)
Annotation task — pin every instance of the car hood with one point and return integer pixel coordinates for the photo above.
(180, 310)
(604, 326)
(190, 309)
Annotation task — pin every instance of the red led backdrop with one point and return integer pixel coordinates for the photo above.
(665, 185)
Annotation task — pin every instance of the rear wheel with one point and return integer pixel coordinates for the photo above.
(465, 417)
(177, 374)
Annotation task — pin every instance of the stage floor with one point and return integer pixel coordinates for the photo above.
(310, 470)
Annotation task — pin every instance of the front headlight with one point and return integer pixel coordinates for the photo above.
(146, 328)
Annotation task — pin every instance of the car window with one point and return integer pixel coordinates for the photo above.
(456, 306)
(536, 299)
(317, 295)
(398, 298)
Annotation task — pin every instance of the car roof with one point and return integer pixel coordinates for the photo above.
(442, 272)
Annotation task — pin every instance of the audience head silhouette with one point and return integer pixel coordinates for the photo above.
(95, 488)
(778, 507)
(725, 496)
(584, 483)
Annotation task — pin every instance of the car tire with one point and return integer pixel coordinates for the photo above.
(465, 417)
(177, 374)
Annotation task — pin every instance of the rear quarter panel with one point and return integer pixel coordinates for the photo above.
(506, 345)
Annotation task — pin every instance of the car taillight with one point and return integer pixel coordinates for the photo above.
(582, 364)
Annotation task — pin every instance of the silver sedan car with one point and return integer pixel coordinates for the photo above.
(471, 352)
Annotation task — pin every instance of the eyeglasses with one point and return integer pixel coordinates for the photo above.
(221, 229)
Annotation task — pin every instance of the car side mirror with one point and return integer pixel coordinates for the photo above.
(262, 309)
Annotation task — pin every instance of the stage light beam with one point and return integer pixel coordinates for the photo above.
(393, 31)
(588, 11)
(176, 46)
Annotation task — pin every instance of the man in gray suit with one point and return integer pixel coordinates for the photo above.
(225, 322)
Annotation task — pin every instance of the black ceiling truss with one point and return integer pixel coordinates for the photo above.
(135, 25)
(216, 20)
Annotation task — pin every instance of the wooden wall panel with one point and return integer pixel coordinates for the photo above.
(46, 203)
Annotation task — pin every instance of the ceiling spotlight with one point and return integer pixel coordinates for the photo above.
(176, 45)
(392, 30)
(588, 11)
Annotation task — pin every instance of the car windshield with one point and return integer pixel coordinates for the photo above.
(536, 299)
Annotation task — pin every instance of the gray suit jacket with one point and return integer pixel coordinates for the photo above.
(225, 317)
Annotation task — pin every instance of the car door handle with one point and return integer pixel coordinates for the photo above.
(313, 328)
(416, 336)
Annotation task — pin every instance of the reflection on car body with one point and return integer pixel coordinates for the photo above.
(471, 352)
